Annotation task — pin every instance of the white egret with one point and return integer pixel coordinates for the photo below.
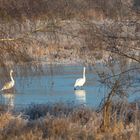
(81, 81)
(9, 84)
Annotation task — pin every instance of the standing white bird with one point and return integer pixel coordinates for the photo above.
(81, 81)
(9, 84)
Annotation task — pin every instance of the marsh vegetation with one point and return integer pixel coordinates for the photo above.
(87, 32)
(66, 121)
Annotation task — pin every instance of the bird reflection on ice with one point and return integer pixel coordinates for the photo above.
(9, 99)
(80, 96)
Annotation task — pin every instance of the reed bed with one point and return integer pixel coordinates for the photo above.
(66, 122)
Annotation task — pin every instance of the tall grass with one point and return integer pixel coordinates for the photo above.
(64, 9)
(66, 122)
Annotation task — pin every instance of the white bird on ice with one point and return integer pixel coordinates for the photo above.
(81, 81)
(9, 84)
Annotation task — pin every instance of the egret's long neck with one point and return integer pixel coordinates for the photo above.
(84, 75)
(12, 77)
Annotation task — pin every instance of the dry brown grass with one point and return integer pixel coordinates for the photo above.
(66, 9)
(63, 122)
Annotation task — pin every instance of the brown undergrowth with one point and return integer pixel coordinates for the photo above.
(66, 122)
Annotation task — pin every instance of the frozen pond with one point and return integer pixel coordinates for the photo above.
(54, 84)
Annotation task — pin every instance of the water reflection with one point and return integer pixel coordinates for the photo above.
(9, 99)
(80, 96)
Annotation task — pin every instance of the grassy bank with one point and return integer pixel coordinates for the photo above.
(62, 31)
(67, 122)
